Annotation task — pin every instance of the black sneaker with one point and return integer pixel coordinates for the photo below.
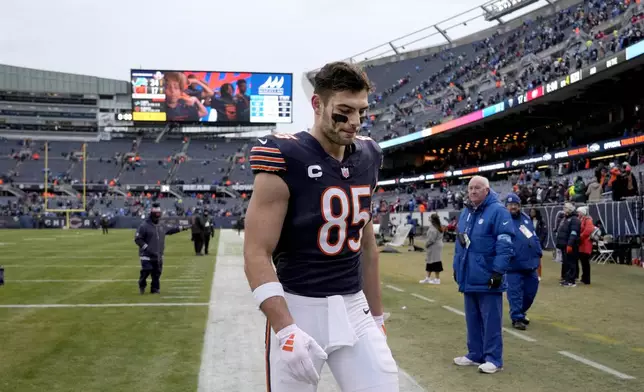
(142, 291)
(526, 320)
(155, 292)
(569, 284)
(518, 324)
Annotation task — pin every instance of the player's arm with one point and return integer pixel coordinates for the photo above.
(371, 270)
(175, 229)
(264, 219)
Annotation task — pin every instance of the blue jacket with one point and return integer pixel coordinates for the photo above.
(490, 232)
(527, 251)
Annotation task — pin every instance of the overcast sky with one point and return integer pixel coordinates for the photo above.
(107, 38)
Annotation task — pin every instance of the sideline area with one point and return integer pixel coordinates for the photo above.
(238, 363)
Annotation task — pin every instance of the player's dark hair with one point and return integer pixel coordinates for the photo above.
(340, 76)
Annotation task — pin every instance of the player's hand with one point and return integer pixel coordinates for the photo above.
(297, 351)
(380, 322)
(569, 249)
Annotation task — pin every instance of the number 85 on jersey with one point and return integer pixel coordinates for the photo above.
(345, 215)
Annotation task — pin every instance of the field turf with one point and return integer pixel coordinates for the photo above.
(84, 345)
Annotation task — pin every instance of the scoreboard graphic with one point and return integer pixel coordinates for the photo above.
(211, 97)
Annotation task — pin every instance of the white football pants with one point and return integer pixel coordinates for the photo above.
(359, 357)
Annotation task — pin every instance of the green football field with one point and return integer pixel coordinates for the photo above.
(586, 338)
(71, 319)
(123, 348)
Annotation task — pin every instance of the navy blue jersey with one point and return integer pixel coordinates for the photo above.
(182, 112)
(318, 253)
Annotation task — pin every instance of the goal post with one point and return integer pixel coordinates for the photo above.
(66, 211)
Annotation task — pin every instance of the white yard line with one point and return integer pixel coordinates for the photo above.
(9, 282)
(596, 365)
(394, 288)
(422, 298)
(129, 305)
(520, 335)
(460, 313)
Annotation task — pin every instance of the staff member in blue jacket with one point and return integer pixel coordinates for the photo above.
(483, 252)
(150, 238)
(523, 279)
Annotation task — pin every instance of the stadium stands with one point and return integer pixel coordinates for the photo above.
(411, 94)
(415, 93)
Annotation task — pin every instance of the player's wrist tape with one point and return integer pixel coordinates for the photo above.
(266, 291)
(144, 247)
(380, 320)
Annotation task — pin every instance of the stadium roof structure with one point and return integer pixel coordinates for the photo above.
(14, 78)
(472, 25)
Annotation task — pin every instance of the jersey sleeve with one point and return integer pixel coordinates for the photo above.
(265, 156)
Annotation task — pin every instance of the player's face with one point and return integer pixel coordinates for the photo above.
(477, 191)
(242, 88)
(172, 91)
(342, 115)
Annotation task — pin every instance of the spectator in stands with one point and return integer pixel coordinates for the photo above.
(483, 252)
(522, 276)
(434, 250)
(568, 242)
(594, 190)
(629, 181)
(579, 187)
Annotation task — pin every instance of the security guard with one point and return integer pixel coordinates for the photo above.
(522, 276)
(150, 238)
(209, 231)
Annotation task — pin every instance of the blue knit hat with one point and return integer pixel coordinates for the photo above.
(512, 198)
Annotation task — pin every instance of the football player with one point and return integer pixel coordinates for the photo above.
(310, 215)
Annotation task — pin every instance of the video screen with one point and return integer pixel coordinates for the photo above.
(211, 97)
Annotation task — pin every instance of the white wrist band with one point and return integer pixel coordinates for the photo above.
(266, 291)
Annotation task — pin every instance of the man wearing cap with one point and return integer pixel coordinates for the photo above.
(150, 238)
(522, 276)
(568, 242)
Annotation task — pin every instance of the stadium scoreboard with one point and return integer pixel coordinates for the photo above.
(211, 97)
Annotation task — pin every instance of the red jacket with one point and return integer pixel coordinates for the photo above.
(587, 227)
